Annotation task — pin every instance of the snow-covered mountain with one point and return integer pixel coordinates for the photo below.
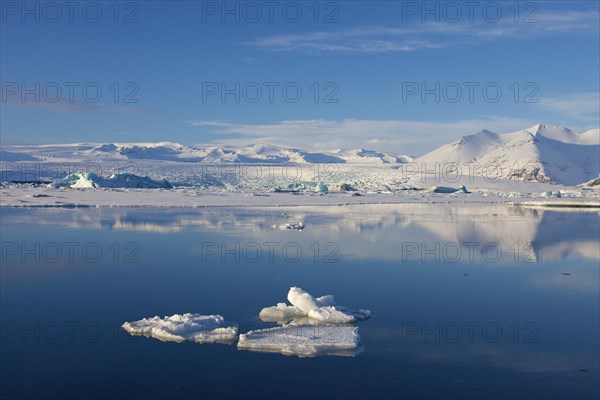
(541, 153)
(167, 151)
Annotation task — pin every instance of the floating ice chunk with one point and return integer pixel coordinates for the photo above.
(295, 227)
(445, 189)
(184, 327)
(325, 312)
(302, 300)
(320, 310)
(322, 188)
(346, 187)
(361, 314)
(280, 312)
(331, 315)
(79, 181)
(551, 194)
(91, 180)
(303, 340)
(327, 300)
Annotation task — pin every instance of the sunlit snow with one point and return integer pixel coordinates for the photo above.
(303, 340)
(184, 327)
(320, 310)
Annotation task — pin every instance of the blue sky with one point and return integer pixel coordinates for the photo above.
(155, 71)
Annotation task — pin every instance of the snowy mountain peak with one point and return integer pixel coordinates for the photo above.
(481, 135)
(541, 129)
(537, 128)
(560, 133)
(556, 153)
(176, 152)
(541, 152)
(111, 147)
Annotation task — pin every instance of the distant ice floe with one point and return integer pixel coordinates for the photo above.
(445, 189)
(345, 187)
(184, 327)
(91, 180)
(551, 193)
(315, 310)
(303, 340)
(292, 227)
(322, 188)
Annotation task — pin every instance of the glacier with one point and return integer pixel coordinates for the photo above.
(516, 166)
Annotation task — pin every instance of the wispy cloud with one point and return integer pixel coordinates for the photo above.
(370, 40)
(428, 35)
(402, 136)
(65, 105)
(584, 106)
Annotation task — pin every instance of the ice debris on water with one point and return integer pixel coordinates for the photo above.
(91, 180)
(292, 227)
(446, 189)
(316, 310)
(322, 188)
(555, 194)
(303, 340)
(308, 327)
(184, 327)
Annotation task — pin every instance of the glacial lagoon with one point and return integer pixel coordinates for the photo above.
(466, 300)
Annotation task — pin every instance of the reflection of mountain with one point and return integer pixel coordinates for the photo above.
(540, 234)
(563, 234)
(362, 231)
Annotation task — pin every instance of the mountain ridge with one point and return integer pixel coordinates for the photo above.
(170, 151)
(542, 152)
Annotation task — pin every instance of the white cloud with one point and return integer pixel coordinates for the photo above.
(585, 106)
(401, 136)
(64, 105)
(429, 35)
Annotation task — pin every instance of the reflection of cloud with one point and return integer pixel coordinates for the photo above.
(375, 231)
(581, 280)
(143, 226)
(535, 235)
(523, 358)
(506, 354)
(481, 223)
(570, 248)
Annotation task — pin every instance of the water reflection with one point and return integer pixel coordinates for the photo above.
(549, 296)
(409, 232)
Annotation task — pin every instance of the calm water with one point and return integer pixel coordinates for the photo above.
(467, 301)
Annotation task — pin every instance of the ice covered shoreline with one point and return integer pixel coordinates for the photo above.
(31, 196)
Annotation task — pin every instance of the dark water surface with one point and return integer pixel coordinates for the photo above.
(468, 301)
